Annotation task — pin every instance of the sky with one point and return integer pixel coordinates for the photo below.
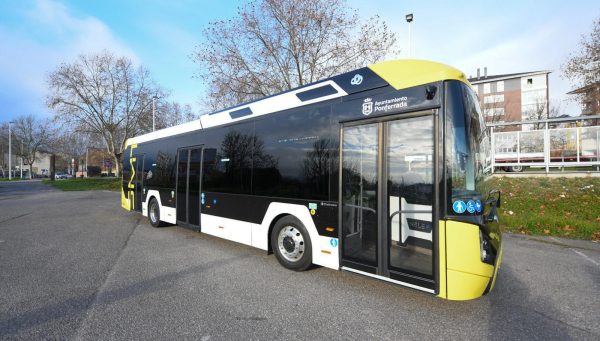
(36, 36)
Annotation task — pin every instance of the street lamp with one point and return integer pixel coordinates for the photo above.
(154, 98)
(9, 151)
(409, 19)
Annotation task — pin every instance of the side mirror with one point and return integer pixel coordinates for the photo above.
(494, 198)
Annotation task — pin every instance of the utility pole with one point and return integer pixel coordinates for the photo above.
(154, 98)
(86, 161)
(9, 151)
(21, 169)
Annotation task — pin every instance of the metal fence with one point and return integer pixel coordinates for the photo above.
(548, 147)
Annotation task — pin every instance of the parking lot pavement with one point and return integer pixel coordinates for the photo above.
(75, 266)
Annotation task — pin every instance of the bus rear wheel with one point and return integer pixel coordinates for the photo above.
(291, 244)
(154, 213)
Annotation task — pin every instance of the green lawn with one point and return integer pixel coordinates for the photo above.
(562, 207)
(87, 184)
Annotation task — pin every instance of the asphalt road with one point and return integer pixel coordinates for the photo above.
(74, 265)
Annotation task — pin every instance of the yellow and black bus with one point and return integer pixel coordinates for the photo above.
(379, 171)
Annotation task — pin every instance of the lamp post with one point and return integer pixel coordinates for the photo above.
(154, 98)
(9, 151)
(21, 168)
(409, 19)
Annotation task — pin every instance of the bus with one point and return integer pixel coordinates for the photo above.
(378, 171)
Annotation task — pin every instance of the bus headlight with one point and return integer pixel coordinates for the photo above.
(485, 249)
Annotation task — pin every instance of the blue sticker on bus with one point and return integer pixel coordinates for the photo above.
(333, 242)
(478, 206)
(459, 206)
(471, 206)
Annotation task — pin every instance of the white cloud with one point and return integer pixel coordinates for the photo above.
(49, 34)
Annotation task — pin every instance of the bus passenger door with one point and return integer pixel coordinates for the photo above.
(139, 182)
(189, 173)
(387, 199)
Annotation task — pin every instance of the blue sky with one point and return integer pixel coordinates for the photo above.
(505, 36)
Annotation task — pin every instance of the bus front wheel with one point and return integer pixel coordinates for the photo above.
(154, 213)
(291, 244)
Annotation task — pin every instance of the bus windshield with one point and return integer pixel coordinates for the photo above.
(467, 151)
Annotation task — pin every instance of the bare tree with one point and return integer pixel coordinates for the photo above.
(276, 45)
(583, 66)
(73, 142)
(33, 134)
(543, 111)
(495, 110)
(105, 95)
(169, 114)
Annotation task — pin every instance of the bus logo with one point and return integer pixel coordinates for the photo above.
(367, 107)
(356, 80)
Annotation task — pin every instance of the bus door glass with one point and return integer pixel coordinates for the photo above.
(189, 173)
(410, 193)
(387, 199)
(139, 182)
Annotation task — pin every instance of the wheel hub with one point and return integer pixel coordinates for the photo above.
(290, 243)
(153, 212)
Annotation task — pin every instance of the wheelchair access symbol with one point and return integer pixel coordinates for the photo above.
(459, 206)
(471, 206)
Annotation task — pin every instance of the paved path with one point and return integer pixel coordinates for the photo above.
(73, 265)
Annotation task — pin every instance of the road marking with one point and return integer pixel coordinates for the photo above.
(586, 257)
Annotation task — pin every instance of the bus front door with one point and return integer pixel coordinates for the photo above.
(387, 199)
(189, 161)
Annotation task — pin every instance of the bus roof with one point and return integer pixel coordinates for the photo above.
(399, 74)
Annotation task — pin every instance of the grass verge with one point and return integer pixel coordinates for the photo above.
(562, 207)
(86, 184)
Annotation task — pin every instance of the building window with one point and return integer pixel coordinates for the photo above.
(529, 81)
(500, 86)
(494, 112)
(486, 88)
(493, 99)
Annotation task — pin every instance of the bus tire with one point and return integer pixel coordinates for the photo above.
(291, 244)
(154, 213)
